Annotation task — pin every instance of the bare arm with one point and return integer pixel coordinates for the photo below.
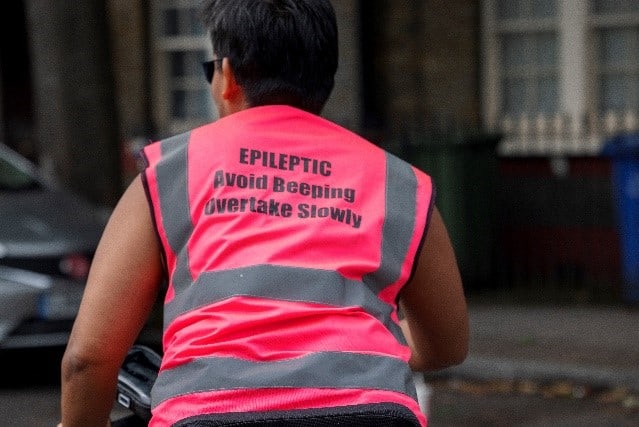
(434, 306)
(122, 286)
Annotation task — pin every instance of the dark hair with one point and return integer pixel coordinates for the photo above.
(281, 51)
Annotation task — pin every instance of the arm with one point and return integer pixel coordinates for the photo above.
(121, 289)
(434, 306)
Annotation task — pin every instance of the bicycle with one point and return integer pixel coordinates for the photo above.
(135, 380)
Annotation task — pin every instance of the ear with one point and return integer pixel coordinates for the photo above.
(231, 91)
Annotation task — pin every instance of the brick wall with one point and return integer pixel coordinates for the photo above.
(450, 61)
(426, 63)
(129, 50)
(344, 106)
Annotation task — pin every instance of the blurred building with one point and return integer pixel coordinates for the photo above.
(553, 78)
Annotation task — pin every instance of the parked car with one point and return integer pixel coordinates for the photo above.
(48, 236)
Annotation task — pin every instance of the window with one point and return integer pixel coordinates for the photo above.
(182, 95)
(526, 9)
(529, 82)
(615, 25)
(560, 76)
(527, 49)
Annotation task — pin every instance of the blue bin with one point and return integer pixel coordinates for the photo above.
(623, 151)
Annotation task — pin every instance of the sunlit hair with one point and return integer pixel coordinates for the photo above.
(281, 51)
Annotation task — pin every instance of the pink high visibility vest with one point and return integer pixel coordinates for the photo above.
(287, 241)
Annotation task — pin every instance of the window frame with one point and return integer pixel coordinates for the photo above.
(596, 23)
(165, 85)
(493, 70)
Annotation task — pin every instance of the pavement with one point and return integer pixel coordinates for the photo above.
(594, 346)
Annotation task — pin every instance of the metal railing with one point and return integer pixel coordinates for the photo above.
(559, 135)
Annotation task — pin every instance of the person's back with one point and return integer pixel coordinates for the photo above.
(298, 237)
(289, 245)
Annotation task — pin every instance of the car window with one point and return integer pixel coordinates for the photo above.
(14, 178)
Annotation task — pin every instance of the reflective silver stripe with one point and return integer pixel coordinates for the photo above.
(318, 370)
(282, 283)
(399, 223)
(174, 202)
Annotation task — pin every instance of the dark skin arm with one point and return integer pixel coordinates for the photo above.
(122, 287)
(434, 306)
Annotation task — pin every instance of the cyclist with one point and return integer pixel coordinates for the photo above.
(290, 246)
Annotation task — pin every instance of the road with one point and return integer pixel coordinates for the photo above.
(29, 397)
(456, 403)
